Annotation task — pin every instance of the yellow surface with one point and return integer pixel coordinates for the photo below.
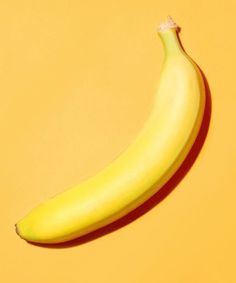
(77, 79)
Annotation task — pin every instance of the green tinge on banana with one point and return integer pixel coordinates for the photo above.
(146, 165)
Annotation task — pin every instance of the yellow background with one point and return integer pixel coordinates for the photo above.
(77, 81)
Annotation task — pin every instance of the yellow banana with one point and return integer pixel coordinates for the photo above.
(142, 169)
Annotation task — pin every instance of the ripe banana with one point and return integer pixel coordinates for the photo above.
(143, 168)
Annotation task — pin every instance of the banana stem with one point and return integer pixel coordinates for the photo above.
(168, 33)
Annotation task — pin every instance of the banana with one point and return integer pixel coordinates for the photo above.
(143, 168)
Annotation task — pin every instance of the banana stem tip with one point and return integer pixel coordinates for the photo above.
(168, 24)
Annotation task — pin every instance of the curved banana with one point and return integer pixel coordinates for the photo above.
(142, 169)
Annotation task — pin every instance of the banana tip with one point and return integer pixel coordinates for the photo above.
(168, 24)
(17, 231)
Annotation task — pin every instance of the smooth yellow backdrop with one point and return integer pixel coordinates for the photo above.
(77, 81)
